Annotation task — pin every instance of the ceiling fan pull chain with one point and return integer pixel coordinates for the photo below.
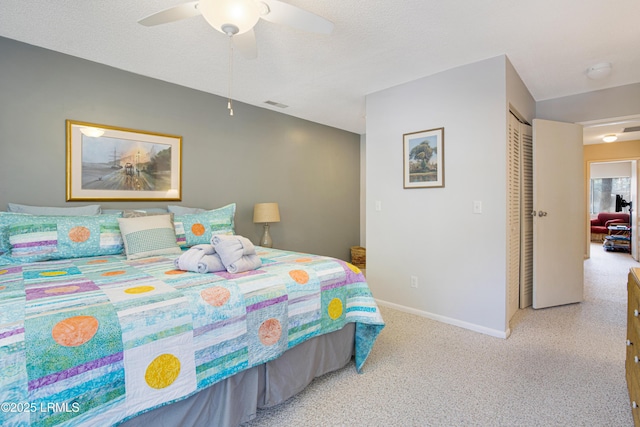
(229, 101)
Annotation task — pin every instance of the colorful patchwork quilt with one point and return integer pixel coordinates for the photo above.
(95, 341)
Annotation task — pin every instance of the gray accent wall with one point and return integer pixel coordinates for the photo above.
(258, 155)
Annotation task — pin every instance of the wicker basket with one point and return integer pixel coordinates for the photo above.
(359, 256)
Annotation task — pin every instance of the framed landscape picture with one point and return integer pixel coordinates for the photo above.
(423, 157)
(110, 163)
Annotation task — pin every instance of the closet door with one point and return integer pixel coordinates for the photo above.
(513, 217)
(526, 218)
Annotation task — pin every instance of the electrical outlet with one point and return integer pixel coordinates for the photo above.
(477, 207)
(414, 281)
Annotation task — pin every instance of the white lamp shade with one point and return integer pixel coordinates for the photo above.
(243, 14)
(266, 212)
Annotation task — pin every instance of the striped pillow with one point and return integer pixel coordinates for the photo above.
(196, 229)
(148, 236)
(40, 238)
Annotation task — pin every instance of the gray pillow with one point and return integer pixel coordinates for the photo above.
(182, 210)
(140, 213)
(54, 211)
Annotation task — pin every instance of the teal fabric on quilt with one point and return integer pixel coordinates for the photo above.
(39, 238)
(195, 229)
(6, 219)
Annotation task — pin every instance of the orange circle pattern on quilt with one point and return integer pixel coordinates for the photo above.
(174, 272)
(216, 296)
(97, 261)
(75, 331)
(79, 234)
(197, 229)
(270, 331)
(300, 276)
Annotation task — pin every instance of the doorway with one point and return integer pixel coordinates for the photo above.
(612, 155)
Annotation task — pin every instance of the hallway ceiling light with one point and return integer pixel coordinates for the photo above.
(599, 71)
(610, 138)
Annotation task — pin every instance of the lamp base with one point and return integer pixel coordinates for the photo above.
(266, 238)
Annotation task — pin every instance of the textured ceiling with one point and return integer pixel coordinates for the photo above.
(622, 127)
(375, 45)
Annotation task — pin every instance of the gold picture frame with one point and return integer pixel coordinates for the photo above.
(423, 158)
(107, 163)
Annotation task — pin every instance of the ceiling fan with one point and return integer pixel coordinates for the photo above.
(236, 18)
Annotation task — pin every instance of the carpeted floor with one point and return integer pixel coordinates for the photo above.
(562, 366)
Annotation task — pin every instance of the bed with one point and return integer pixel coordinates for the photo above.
(110, 339)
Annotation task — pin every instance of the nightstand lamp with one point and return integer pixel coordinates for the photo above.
(266, 213)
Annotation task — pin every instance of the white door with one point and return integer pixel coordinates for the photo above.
(559, 225)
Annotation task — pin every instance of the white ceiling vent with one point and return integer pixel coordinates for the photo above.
(276, 104)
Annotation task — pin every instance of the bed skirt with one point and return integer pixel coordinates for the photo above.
(236, 400)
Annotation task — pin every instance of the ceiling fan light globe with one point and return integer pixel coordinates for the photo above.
(242, 14)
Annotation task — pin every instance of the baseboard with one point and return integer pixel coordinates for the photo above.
(448, 320)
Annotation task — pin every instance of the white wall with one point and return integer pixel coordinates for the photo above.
(518, 96)
(459, 257)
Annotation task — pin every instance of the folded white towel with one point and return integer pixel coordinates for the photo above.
(232, 248)
(210, 264)
(189, 260)
(246, 263)
(204, 247)
(237, 253)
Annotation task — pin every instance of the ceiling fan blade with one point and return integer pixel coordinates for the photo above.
(293, 16)
(246, 44)
(175, 13)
